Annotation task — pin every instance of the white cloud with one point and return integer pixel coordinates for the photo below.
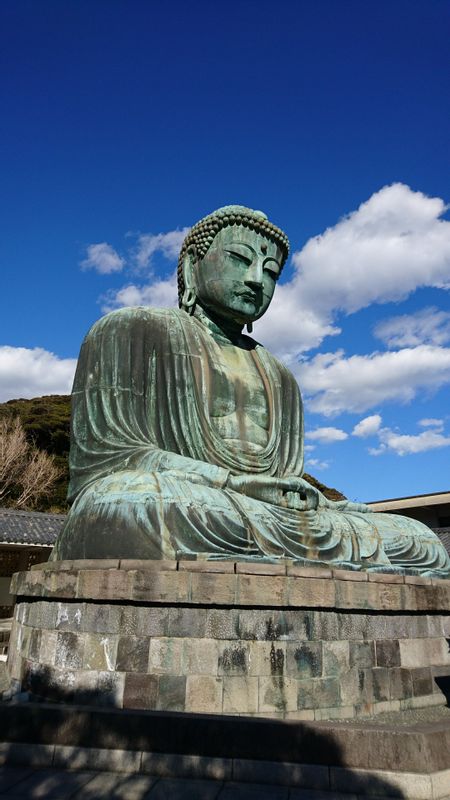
(326, 435)
(317, 464)
(367, 426)
(31, 373)
(160, 294)
(103, 258)
(333, 383)
(431, 422)
(169, 244)
(308, 448)
(428, 326)
(404, 444)
(391, 245)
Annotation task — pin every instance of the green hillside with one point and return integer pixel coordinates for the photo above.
(46, 421)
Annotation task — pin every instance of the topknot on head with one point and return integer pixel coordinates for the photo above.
(203, 232)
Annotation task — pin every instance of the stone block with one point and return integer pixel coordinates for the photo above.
(297, 571)
(350, 686)
(336, 712)
(305, 695)
(304, 660)
(233, 658)
(221, 623)
(415, 652)
(33, 755)
(140, 691)
(326, 625)
(277, 694)
(362, 654)
(352, 627)
(133, 653)
(335, 658)
(380, 783)
(303, 715)
(100, 618)
(167, 765)
(350, 575)
(207, 588)
(100, 651)
(204, 694)
(200, 656)
(417, 580)
(400, 683)
(387, 653)
(240, 695)
(434, 626)
(187, 622)
(108, 584)
(166, 656)
(79, 758)
(308, 776)
(380, 684)
(265, 625)
(327, 693)
(261, 590)
(91, 563)
(27, 583)
(422, 681)
(311, 592)
(254, 568)
(148, 564)
(267, 658)
(385, 577)
(34, 645)
(162, 587)
(69, 650)
(152, 621)
(69, 616)
(202, 565)
(60, 583)
(110, 688)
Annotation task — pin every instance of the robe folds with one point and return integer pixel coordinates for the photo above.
(148, 469)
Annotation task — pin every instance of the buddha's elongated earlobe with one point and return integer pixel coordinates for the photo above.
(249, 327)
(189, 299)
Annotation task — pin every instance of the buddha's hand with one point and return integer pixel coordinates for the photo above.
(291, 492)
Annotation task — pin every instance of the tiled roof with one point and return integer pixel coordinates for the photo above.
(29, 527)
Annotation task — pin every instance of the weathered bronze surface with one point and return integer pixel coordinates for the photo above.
(187, 435)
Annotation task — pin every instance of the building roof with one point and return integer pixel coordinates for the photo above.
(444, 535)
(413, 501)
(29, 527)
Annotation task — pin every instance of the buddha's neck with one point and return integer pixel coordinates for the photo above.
(225, 330)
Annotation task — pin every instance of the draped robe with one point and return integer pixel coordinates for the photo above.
(148, 469)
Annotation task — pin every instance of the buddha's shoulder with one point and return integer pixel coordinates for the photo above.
(130, 318)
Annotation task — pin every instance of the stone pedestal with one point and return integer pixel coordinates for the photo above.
(268, 640)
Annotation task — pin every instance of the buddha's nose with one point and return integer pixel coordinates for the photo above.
(254, 275)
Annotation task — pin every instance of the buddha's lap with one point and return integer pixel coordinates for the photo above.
(132, 488)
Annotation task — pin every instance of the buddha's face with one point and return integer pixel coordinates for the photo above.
(236, 278)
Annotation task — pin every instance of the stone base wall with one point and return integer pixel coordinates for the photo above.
(269, 640)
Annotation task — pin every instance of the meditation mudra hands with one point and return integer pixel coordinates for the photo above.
(292, 492)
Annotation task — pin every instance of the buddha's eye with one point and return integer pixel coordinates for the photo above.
(272, 268)
(239, 257)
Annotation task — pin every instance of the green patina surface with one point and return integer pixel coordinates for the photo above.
(187, 435)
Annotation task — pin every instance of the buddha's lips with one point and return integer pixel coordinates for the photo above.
(249, 296)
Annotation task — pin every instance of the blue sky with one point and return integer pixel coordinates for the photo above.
(125, 122)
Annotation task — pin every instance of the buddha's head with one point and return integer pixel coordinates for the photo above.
(229, 264)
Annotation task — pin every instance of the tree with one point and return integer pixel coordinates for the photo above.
(26, 473)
